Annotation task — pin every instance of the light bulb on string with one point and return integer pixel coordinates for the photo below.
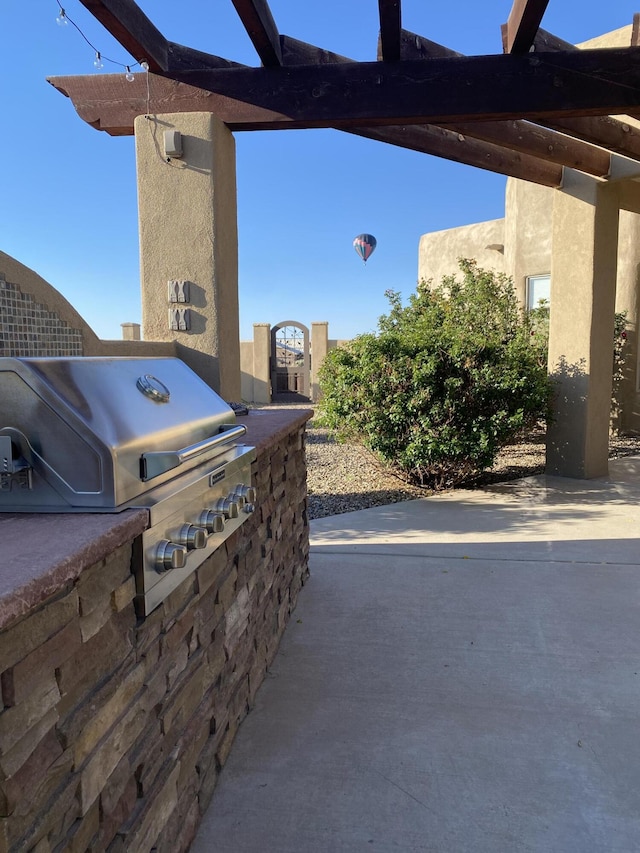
(61, 20)
(97, 62)
(129, 75)
(144, 65)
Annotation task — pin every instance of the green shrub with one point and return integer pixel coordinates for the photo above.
(447, 381)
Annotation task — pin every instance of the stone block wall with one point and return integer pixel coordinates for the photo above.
(114, 729)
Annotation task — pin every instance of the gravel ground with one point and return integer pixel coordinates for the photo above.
(346, 477)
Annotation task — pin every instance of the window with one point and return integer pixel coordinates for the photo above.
(538, 287)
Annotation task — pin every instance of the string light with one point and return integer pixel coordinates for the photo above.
(64, 20)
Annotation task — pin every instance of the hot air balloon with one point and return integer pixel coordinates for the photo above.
(364, 244)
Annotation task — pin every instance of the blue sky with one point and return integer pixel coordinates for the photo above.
(68, 193)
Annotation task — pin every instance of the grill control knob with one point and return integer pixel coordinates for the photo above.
(227, 506)
(247, 493)
(169, 556)
(213, 522)
(191, 536)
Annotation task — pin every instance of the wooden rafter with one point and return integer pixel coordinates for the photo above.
(437, 141)
(523, 23)
(618, 136)
(542, 142)
(258, 21)
(440, 142)
(603, 131)
(390, 27)
(519, 135)
(130, 26)
(545, 41)
(418, 47)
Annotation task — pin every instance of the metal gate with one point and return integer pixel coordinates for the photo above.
(290, 362)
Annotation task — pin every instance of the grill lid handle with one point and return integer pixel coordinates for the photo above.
(156, 462)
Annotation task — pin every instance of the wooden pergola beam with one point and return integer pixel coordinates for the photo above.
(127, 23)
(603, 131)
(523, 23)
(440, 142)
(258, 21)
(108, 102)
(418, 47)
(390, 28)
(535, 86)
(542, 142)
(519, 135)
(545, 41)
(437, 141)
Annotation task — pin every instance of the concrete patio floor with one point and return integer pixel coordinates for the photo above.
(461, 675)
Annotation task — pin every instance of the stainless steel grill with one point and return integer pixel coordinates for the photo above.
(107, 434)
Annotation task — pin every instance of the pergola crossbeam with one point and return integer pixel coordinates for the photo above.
(535, 86)
(127, 23)
(523, 23)
(390, 28)
(258, 21)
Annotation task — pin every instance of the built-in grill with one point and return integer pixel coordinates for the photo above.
(108, 434)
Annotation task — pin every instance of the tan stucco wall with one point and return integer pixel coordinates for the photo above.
(188, 231)
(438, 251)
(616, 38)
(527, 232)
(319, 350)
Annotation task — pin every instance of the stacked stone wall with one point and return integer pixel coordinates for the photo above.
(114, 729)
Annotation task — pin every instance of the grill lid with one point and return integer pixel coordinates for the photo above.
(102, 431)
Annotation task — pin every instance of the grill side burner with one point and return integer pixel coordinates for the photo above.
(108, 434)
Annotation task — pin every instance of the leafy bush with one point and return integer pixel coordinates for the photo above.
(445, 383)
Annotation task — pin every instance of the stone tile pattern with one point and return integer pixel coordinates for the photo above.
(29, 329)
(114, 729)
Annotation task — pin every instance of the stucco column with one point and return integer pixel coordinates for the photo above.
(188, 232)
(627, 301)
(583, 285)
(261, 363)
(319, 350)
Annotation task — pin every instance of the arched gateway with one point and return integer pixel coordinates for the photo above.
(290, 362)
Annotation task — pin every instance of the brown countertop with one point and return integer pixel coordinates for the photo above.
(265, 427)
(40, 553)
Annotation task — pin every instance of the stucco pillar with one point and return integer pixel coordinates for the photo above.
(627, 301)
(130, 331)
(188, 233)
(261, 363)
(583, 285)
(319, 350)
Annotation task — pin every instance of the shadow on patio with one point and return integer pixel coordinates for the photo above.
(461, 674)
